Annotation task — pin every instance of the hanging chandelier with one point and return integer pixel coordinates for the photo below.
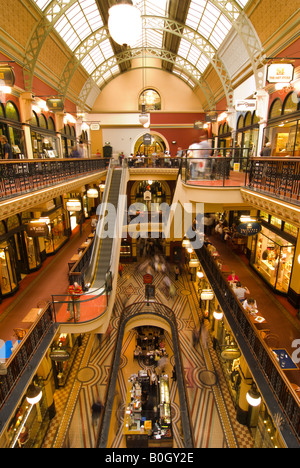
(125, 23)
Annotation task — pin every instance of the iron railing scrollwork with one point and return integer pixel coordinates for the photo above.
(20, 359)
(262, 355)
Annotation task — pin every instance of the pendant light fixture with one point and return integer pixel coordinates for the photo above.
(125, 23)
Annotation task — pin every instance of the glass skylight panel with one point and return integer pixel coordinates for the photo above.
(242, 3)
(208, 21)
(97, 56)
(153, 7)
(79, 21)
(42, 4)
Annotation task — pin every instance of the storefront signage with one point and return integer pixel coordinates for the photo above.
(230, 354)
(198, 124)
(249, 229)
(59, 355)
(147, 195)
(245, 105)
(147, 139)
(148, 279)
(37, 229)
(280, 73)
(7, 76)
(211, 117)
(55, 104)
(95, 127)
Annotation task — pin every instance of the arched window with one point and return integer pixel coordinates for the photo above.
(11, 111)
(276, 109)
(51, 124)
(151, 99)
(1, 110)
(43, 121)
(240, 123)
(35, 120)
(255, 119)
(290, 104)
(248, 119)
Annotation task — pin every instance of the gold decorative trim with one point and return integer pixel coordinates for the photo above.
(279, 208)
(26, 202)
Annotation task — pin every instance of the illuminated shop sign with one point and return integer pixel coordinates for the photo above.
(37, 229)
(280, 73)
(249, 229)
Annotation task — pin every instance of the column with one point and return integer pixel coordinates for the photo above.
(26, 115)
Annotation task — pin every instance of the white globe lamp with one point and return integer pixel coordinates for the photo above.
(125, 23)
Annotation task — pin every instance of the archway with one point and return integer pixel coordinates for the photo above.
(158, 145)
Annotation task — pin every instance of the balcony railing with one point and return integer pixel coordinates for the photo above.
(19, 361)
(278, 176)
(23, 176)
(263, 365)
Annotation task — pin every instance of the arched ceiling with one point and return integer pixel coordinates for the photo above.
(186, 36)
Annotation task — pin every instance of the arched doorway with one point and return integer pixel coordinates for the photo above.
(158, 145)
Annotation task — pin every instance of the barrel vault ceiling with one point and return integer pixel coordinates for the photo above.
(212, 45)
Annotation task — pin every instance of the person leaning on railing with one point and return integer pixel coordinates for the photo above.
(75, 291)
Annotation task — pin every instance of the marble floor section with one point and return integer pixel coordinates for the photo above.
(212, 414)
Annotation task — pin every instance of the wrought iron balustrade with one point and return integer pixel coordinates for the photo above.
(21, 359)
(23, 176)
(266, 371)
(279, 177)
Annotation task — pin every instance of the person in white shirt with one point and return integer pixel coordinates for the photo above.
(250, 305)
(194, 154)
(241, 292)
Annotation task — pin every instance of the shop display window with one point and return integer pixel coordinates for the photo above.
(273, 257)
(8, 280)
(33, 253)
(57, 232)
(29, 425)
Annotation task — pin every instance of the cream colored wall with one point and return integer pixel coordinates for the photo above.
(122, 94)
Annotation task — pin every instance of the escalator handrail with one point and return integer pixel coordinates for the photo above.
(91, 270)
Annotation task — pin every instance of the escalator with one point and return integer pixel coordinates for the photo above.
(101, 263)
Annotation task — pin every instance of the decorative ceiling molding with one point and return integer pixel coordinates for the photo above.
(283, 210)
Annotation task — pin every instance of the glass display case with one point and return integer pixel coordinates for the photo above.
(273, 257)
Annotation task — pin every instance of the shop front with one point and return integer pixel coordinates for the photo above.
(247, 135)
(283, 128)
(69, 141)
(45, 143)
(30, 423)
(272, 254)
(11, 127)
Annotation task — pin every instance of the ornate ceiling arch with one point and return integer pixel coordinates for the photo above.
(57, 11)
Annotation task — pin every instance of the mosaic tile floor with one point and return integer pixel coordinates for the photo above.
(213, 416)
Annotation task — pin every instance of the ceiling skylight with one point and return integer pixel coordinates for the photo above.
(79, 21)
(208, 21)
